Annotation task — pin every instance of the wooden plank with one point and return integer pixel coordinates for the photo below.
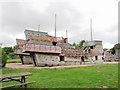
(12, 79)
(15, 75)
(18, 84)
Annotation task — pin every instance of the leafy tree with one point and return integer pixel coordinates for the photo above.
(0, 57)
(77, 47)
(105, 49)
(74, 44)
(81, 43)
(4, 58)
(15, 47)
(11, 55)
(112, 50)
(116, 46)
(8, 50)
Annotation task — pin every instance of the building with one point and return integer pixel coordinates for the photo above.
(117, 52)
(25, 57)
(47, 50)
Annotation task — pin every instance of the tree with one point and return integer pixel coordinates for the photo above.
(0, 57)
(15, 47)
(4, 58)
(112, 50)
(8, 50)
(77, 47)
(116, 46)
(11, 55)
(74, 44)
(81, 43)
(105, 49)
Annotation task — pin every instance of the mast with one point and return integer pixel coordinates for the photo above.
(91, 27)
(55, 24)
(38, 27)
(66, 34)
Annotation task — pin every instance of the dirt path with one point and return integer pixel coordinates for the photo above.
(19, 65)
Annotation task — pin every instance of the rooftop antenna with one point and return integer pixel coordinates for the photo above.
(55, 24)
(91, 27)
(38, 27)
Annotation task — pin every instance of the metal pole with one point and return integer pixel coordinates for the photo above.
(55, 25)
(91, 27)
(66, 34)
(38, 27)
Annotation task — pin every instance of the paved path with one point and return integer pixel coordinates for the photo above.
(19, 65)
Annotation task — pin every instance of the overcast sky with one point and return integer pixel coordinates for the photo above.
(73, 15)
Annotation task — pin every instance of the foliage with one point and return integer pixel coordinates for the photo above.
(13, 60)
(77, 47)
(116, 46)
(112, 50)
(8, 50)
(15, 47)
(74, 44)
(74, 77)
(11, 55)
(0, 57)
(105, 49)
(4, 58)
(81, 43)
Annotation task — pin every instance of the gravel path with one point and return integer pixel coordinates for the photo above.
(19, 65)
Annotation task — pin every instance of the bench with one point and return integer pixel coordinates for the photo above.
(11, 77)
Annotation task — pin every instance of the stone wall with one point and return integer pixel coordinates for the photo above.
(46, 59)
(27, 60)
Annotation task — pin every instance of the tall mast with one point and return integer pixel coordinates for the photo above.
(91, 27)
(55, 24)
(66, 34)
(38, 27)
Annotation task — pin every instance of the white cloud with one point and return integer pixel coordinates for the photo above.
(73, 15)
(108, 45)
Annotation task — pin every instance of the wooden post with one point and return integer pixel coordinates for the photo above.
(21, 57)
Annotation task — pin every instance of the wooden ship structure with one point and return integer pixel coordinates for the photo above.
(42, 49)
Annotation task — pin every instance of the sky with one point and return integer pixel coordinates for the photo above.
(71, 15)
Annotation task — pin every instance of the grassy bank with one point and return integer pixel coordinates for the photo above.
(13, 60)
(76, 77)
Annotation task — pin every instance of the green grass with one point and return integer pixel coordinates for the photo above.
(75, 77)
(14, 60)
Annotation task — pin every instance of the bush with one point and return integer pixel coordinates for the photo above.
(11, 55)
(4, 58)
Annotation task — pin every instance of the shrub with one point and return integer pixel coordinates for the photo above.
(4, 58)
(11, 55)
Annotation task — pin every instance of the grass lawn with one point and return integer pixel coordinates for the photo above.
(75, 77)
(14, 60)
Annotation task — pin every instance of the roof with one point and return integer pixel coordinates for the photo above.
(93, 43)
(36, 32)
